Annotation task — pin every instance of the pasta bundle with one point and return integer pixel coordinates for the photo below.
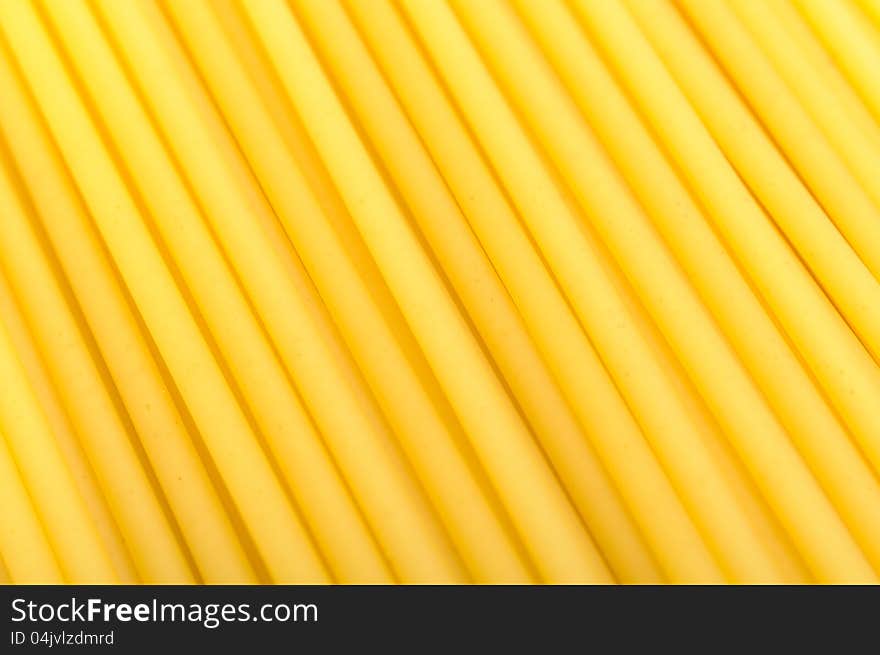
(439, 291)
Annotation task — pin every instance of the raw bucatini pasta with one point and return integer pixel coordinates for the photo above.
(439, 291)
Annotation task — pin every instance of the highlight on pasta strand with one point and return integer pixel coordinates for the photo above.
(852, 45)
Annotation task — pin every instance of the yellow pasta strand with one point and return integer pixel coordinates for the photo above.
(601, 411)
(851, 45)
(480, 200)
(872, 10)
(565, 245)
(822, 65)
(65, 436)
(23, 544)
(440, 221)
(429, 446)
(555, 536)
(731, 396)
(161, 429)
(666, 201)
(861, 155)
(92, 411)
(846, 202)
(382, 483)
(230, 438)
(5, 579)
(69, 528)
(839, 362)
(262, 379)
(714, 275)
